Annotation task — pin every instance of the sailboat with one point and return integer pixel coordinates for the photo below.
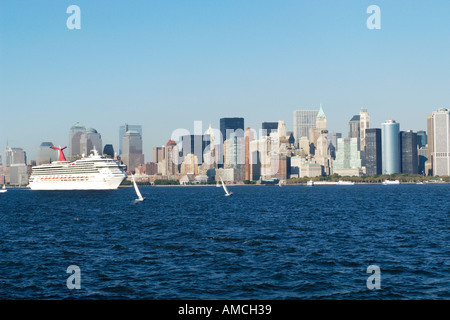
(227, 193)
(3, 190)
(140, 198)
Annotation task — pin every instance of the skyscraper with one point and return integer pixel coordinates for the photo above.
(390, 142)
(441, 142)
(372, 151)
(408, 146)
(132, 155)
(269, 127)
(364, 123)
(124, 129)
(75, 133)
(348, 157)
(354, 127)
(89, 140)
(194, 144)
(229, 126)
(421, 139)
(430, 142)
(109, 150)
(303, 121)
(46, 154)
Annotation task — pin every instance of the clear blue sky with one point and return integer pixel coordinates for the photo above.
(164, 64)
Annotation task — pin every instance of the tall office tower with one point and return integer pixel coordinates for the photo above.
(194, 144)
(332, 142)
(348, 157)
(390, 147)
(75, 139)
(354, 127)
(281, 129)
(430, 142)
(158, 154)
(322, 154)
(90, 140)
(372, 151)
(441, 142)
(422, 155)
(171, 159)
(408, 147)
(108, 150)
(319, 128)
(269, 127)
(421, 139)
(124, 129)
(132, 155)
(14, 156)
(364, 123)
(46, 154)
(229, 126)
(249, 137)
(303, 121)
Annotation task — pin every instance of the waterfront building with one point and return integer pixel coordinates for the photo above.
(303, 121)
(90, 140)
(441, 142)
(132, 155)
(249, 137)
(108, 150)
(75, 133)
(123, 129)
(422, 155)
(408, 147)
(171, 159)
(348, 157)
(372, 151)
(390, 142)
(46, 154)
(430, 144)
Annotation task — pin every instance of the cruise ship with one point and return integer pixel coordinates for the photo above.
(92, 172)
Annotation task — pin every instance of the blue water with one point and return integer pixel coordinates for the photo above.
(264, 242)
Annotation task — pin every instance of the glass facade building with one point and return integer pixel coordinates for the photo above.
(408, 146)
(390, 142)
(303, 121)
(372, 152)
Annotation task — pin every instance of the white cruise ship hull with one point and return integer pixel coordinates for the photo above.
(89, 173)
(93, 184)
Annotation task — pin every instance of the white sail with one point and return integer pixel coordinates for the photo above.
(225, 188)
(3, 189)
(140, 198)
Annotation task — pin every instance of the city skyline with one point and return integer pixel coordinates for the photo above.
(166, 65)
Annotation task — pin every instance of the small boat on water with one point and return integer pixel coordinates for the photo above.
(227, 193)
(140, 197)
(345, 183)
(3, 189)
(390, 182)
(310, 183)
